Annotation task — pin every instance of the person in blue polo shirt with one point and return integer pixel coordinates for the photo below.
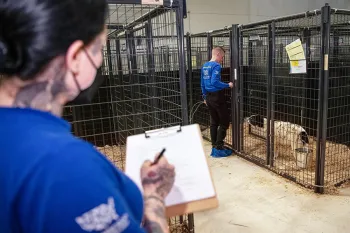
(51, 181)
(214, 97)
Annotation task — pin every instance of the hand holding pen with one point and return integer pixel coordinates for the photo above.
(158, 177)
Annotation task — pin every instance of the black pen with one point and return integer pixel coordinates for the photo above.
(159, 157)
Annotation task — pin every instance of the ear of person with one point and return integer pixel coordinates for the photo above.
(74, 56)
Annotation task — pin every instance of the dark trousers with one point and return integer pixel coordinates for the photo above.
(219, 118)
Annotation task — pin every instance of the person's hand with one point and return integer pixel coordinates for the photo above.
(231, 84)
(205, 102)
(157, 179)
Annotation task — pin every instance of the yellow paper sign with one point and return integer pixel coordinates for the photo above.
(295, 50)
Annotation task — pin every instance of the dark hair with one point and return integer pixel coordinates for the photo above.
(33, 32)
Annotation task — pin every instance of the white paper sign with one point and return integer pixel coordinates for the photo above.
(298, 67)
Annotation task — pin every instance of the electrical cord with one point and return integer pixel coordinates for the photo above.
(192, 112)
(194, 109)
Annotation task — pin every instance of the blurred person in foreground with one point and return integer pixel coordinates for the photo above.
(213, 90)
(51, 181)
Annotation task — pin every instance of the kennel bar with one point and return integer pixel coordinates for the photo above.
(115, 27)
(270, 86)
(181, 52)
(235, 98)
(189, 69)
(210, 45)
(213, 32)
(282, 19)
(323, 99)
(239, 58)
(166, 3)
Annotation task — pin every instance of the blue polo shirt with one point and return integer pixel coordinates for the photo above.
(211, 78)
(53, 182)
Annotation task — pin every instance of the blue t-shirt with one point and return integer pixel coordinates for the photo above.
(211, 78)
(53, 182)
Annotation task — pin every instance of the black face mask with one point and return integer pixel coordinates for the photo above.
(86, 96)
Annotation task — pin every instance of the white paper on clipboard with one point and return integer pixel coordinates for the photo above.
(184, 149)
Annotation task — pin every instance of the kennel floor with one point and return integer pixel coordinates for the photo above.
(253, 199)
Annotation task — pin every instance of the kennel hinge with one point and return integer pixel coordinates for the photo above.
(238, 97)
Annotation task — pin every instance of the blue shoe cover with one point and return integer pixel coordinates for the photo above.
(219, 153)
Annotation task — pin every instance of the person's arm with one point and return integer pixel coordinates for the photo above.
(157, 181)
(216, 78)
(204, 91)
(155, 220)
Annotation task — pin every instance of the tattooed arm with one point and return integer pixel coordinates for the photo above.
(155, 220)
(157, 181)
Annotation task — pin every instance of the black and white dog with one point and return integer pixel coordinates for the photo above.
(285, 133)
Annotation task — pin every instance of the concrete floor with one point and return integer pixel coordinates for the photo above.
(253, 199)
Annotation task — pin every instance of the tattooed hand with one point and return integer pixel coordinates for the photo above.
(157, 179)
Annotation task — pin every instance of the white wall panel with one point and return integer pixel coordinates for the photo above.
(205, 15)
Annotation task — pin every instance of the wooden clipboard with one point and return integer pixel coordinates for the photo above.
(187, 135)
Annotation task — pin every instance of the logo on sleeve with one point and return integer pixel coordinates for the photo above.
(103, 218)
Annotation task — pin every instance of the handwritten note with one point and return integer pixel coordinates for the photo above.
(295, 51)
(185, 151)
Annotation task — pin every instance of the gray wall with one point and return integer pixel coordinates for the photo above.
(205, 15)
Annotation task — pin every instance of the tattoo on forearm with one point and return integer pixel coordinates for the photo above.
(159, 211)
(155, 208)
(153, 227)
(151, 197)
(155, 220)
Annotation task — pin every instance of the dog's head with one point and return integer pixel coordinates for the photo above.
(257, 121)
(304, 138)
